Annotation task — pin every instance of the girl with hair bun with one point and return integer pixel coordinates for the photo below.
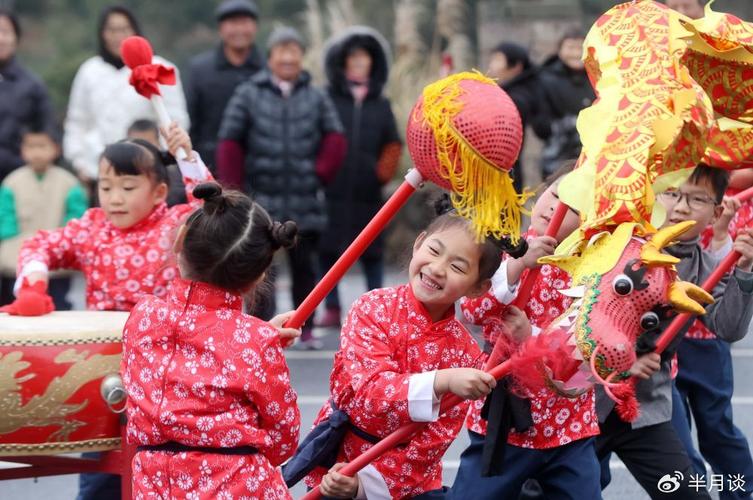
(210, 404)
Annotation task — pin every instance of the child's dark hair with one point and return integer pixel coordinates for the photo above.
(139, 157)
(13, 18)
(39, 129)
(143, 125)
(491, 248)
(231, 240)
(565, 168)
(571, 34)
(717, 177)
(515, 54)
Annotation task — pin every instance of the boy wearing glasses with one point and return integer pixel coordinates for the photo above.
(650, 446)
(704, 380)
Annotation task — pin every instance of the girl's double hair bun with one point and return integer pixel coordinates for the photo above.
(443, 204)
(211, 193)
(284, 234)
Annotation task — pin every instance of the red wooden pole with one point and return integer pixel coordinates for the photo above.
(745, 195)
(412, 180)
(674, 327)
(401, 435)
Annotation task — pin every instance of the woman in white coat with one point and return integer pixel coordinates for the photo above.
(103, 104)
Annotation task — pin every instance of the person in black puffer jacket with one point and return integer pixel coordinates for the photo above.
(281, 141)
(356, 63)
(566, 90)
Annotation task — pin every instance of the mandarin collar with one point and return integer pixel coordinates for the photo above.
(419, 314)
(209, 296)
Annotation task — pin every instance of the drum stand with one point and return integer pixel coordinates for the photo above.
(111, 462)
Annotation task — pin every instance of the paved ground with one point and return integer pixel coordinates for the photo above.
(310, 374)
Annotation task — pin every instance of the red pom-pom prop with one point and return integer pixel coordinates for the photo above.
(32, 300)
(147, 77)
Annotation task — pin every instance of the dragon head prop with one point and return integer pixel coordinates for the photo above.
(623, 287)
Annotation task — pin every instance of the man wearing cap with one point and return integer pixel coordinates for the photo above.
(281, 141)
(214, 74)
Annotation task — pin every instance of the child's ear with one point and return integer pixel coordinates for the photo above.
(419, 241)
(160, 193)
(480, 289)
(718, 209)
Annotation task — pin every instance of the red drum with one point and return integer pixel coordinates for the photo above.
(53, 371)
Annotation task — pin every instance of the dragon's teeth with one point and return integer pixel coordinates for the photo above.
(575, 292)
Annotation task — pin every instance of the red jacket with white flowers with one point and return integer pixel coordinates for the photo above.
(120, 265)
(201, 373)
(557, 420)
(383, 378)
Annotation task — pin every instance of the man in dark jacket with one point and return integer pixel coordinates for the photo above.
(357, 64)
(214, 74)
(281, 141)
(24, 102)
(510, 65)
(566, 91)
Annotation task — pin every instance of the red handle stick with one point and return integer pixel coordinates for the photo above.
(412, 180)
(401, 435)
(554, 225)
(745, 195)
(146, 77)
(674, 327)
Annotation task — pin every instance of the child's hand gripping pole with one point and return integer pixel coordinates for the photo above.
(146, 78)
(527, 285)
(722, 269)
(498, 371)
(402, 434)
(413, 180)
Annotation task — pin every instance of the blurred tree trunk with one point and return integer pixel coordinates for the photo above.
(456, 23)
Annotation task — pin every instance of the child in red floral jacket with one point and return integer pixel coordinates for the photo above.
(209, 397)
(550, 440)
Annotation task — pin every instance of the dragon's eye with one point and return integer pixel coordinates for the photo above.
(622, 285)
(650, 320)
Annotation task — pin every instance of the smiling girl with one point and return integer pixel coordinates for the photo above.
(401, 350)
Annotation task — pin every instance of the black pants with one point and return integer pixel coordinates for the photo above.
(302, 259)
(649, 453)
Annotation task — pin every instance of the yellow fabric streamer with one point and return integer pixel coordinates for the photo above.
(481, 191)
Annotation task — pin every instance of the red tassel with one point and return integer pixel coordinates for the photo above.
(549, 350)
(627, 406)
